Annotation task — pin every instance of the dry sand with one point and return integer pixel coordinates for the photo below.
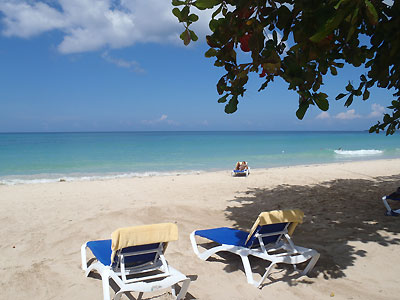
(44, 225)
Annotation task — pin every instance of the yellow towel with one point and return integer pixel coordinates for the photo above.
(294, 216)
(143, 235)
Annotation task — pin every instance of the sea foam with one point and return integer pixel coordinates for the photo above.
(361, 152)
(47, 178)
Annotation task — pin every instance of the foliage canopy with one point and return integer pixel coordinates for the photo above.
(323, 35)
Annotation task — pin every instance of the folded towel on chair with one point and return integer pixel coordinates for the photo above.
(293, 216)
(143, 235)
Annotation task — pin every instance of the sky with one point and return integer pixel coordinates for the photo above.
(102, 65)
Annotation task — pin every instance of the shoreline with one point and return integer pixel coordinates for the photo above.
(85, 177)
(44, 225)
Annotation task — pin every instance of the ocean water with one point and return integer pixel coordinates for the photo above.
(43, 157)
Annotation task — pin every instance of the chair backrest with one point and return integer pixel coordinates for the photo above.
(137, 255)
(142, 243)
(273, 224)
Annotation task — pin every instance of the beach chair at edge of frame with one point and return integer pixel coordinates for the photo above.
(134, 259)
(269, 239)
(393, 196)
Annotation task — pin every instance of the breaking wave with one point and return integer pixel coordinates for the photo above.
(46, 178)
(361, 152)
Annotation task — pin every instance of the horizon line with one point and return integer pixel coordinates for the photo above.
(133, 131)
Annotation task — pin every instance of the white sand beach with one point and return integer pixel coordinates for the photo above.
(44, 225)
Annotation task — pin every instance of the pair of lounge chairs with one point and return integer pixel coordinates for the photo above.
(134, 257)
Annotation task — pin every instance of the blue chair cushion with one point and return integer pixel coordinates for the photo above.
(235, 237)
(102, 250)
(271, 228)
(224, 235)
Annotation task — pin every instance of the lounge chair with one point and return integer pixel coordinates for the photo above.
(238, 172)
(134, 259)
(393, 196)
(269, 239)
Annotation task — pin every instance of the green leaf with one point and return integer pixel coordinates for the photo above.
(333, 70)
(349, 87)
(213, 24)
(231, 107)
(301, 111)
(366, 94)
(329, 26)
(275, 36)
(177, 13)
(185, 37)
(193, 17)
(219, 63)
(203, 4)
(221, 85)
(371, 12)
(340, 2)
(284, 15)
(223, 99)
(193, 36)
(177, 2)
(216, 12)
(211, 52)
(349, 100)
(321, 101)
(350, 33)
(340, 96)
(185, 12)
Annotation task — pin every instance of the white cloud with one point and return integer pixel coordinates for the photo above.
(132, 65)
(348, 115)
(323, 115)
(376, 111)
(90, 25)
(162, 119)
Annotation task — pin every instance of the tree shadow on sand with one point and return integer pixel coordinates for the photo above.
(336, 212)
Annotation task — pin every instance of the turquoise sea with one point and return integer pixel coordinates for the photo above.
(43, 157)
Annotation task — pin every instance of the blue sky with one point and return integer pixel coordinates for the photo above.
(101, 65)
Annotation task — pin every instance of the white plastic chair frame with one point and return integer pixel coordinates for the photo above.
(139, 284)
(293, 255)
(246, 172)
(390, 211)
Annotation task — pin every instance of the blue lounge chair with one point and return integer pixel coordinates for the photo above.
(237, 172)
(134, 259)
(393, 196)
(269, 239)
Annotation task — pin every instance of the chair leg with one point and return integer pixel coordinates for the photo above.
(106, 286)
(83, 257)
(247, 269)
(267, 272)
(311, 264)
(183, 291)
(117, 296)
(388, 208)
